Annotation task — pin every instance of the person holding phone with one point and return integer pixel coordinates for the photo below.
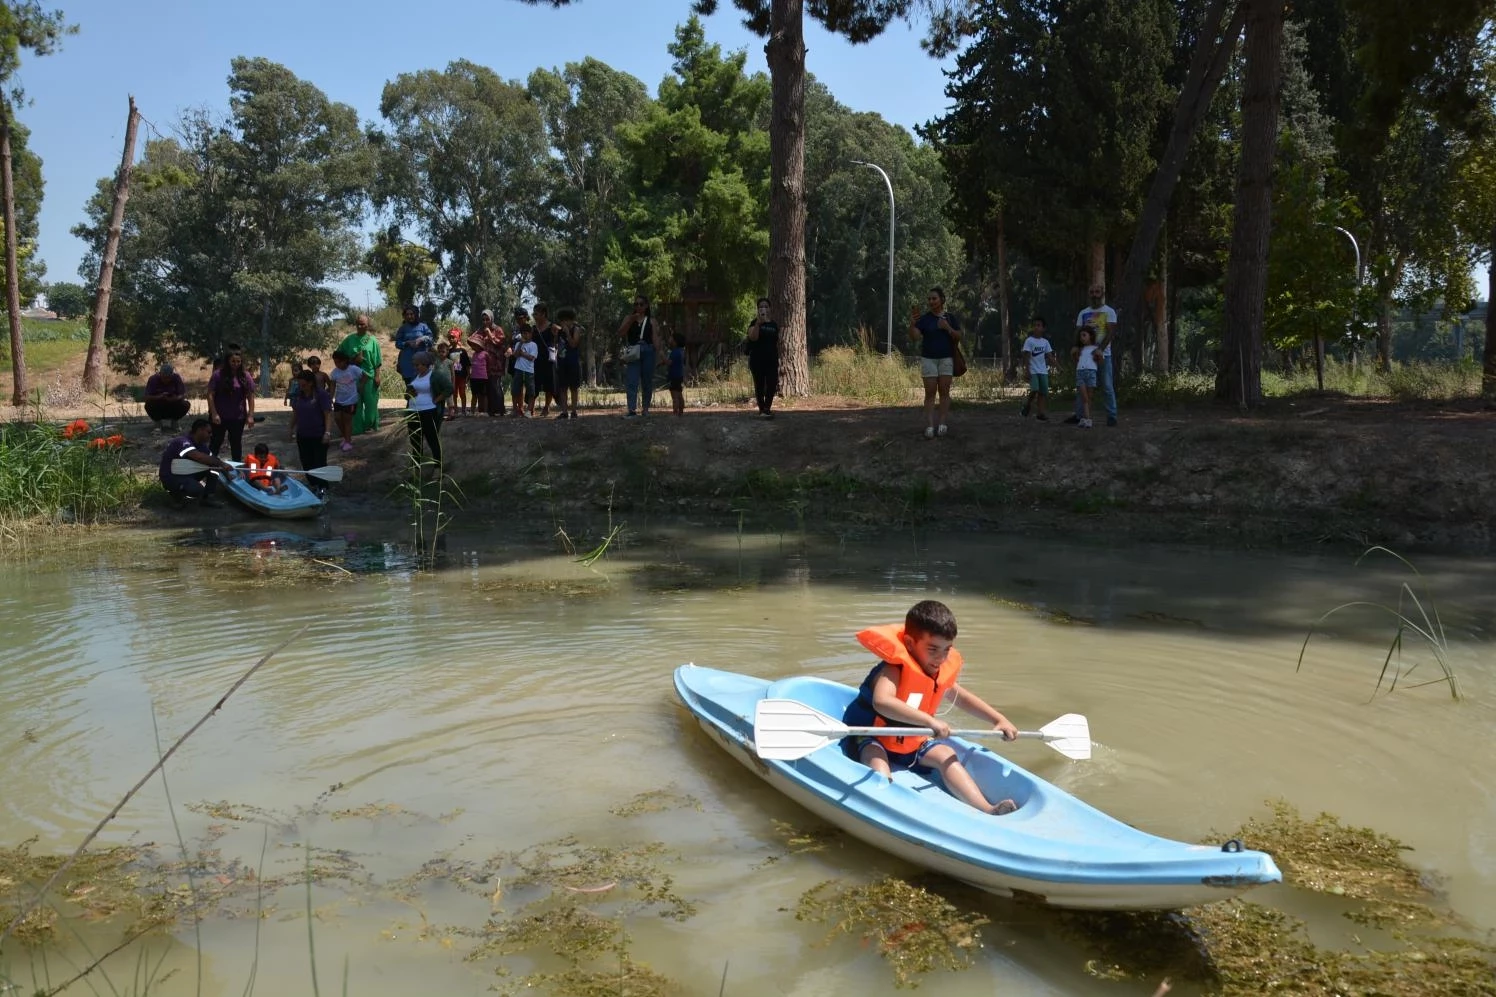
(638, 335)
(763, 358)
(938, 332)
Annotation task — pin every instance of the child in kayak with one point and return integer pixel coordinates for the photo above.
(258, 468)
(918, 669)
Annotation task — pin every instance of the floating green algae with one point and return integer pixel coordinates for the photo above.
(655, 801)
(915, 930)
(1239, 948)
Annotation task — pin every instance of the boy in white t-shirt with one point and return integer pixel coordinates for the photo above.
(1037, 351)
(525, 354)
(347, 378)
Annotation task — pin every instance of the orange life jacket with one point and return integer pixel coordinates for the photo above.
(259, 471)
(915, 687)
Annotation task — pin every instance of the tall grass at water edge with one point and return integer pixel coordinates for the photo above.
(44, 476)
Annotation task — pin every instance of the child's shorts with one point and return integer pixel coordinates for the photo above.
(1039, 384)
(898, 761)
(1085, 379)
(525, 378)
(677, 383)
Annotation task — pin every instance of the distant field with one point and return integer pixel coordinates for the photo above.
(49, 345)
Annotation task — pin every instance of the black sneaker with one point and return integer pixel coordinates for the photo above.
(1111, 420)
(562, 415)
(572, 415)
(1042, 417)
(1024, 411)
(1074, 420)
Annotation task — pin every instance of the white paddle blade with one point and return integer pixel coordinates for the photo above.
(784, 729)
(1070, 735)
(329, 473)
(184, 466)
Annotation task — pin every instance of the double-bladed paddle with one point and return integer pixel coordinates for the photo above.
(785, 729)
(185, 465)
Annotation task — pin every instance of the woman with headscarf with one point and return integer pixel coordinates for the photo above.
(413, 336)
(362, 348)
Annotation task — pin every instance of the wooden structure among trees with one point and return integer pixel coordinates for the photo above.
(698, 315)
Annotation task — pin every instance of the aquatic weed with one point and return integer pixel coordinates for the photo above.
(917, 931)
(1243, 949)
(1422, 620)
(653, 801)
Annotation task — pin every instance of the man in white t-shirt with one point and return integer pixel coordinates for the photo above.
(1037, 351)
(1101, 319)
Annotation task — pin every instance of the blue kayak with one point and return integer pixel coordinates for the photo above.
(1055, 849)
(296, 502)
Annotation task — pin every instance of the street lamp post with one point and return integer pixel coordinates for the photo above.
(1319, 346)
(889, 184)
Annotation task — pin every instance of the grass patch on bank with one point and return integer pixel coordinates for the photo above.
(1404, 382)
(48, 343)
(69, 475)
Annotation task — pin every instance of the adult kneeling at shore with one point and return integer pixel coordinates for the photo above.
(166, 398)
(192, 446)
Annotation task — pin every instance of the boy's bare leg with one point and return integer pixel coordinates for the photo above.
(875, 758)
(943, 757)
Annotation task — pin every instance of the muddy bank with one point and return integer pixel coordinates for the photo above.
(1305, 473)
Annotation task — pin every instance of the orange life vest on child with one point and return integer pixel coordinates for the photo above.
(259, 471)
(916, 688)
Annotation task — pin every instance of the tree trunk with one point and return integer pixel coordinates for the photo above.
(1488, 365)
(1239, 377)
(12, 265)
(1097, 265)
(1208, 64)
(786, 56)
(1002, 298)
(265, 350)
(1384, 332)
(93, 364)
(1163, 317)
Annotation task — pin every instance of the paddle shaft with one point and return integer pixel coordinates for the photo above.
(926, 732)
(186, 465)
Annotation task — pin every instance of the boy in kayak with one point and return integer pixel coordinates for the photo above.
(258, 468)
(918, 669)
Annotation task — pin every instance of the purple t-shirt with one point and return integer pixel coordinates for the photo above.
(231, 395)
(311, 418)
(180, 446)
(166, 384)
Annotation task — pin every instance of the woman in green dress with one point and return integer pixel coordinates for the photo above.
(363, 347)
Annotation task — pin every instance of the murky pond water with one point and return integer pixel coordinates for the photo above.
(522, 697)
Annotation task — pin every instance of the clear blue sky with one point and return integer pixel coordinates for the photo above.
(174, 54)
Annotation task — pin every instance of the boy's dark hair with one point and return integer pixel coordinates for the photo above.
(261, 448)
(199, 424)
(340, 355)
(931, 618)
(566, 315)
(1040, 320)
(678, 339)
(314, 360)
(541, 308)
(306, 376)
